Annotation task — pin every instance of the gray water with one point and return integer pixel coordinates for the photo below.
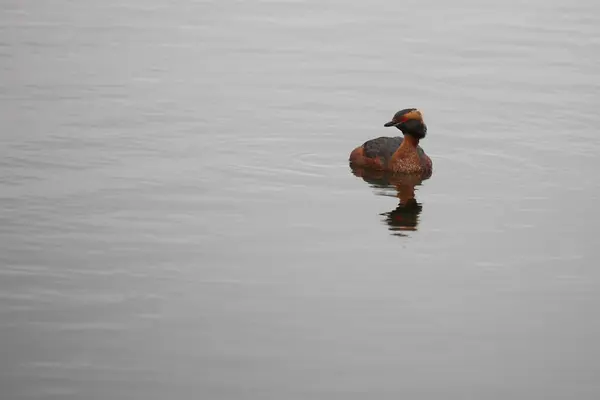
(178, 218)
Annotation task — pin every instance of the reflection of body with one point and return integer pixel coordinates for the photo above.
(405, 217)
(397, 154)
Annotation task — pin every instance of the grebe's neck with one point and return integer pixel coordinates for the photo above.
(410, 141)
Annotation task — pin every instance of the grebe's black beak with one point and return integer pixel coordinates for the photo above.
(391, 123)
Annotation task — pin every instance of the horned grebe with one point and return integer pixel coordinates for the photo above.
(397, 154)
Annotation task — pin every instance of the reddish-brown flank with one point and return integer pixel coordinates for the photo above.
(358, 158)
(404, 160)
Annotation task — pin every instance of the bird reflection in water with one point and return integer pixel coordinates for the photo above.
(405, 217)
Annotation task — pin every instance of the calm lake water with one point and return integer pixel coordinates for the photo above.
(178, 218)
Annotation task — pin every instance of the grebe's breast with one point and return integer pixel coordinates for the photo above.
(426, 162)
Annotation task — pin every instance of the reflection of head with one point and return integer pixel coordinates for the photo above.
(405, 217)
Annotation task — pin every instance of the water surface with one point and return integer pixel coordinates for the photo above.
(178, 218)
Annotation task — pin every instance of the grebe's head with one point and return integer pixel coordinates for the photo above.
(410, 122)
